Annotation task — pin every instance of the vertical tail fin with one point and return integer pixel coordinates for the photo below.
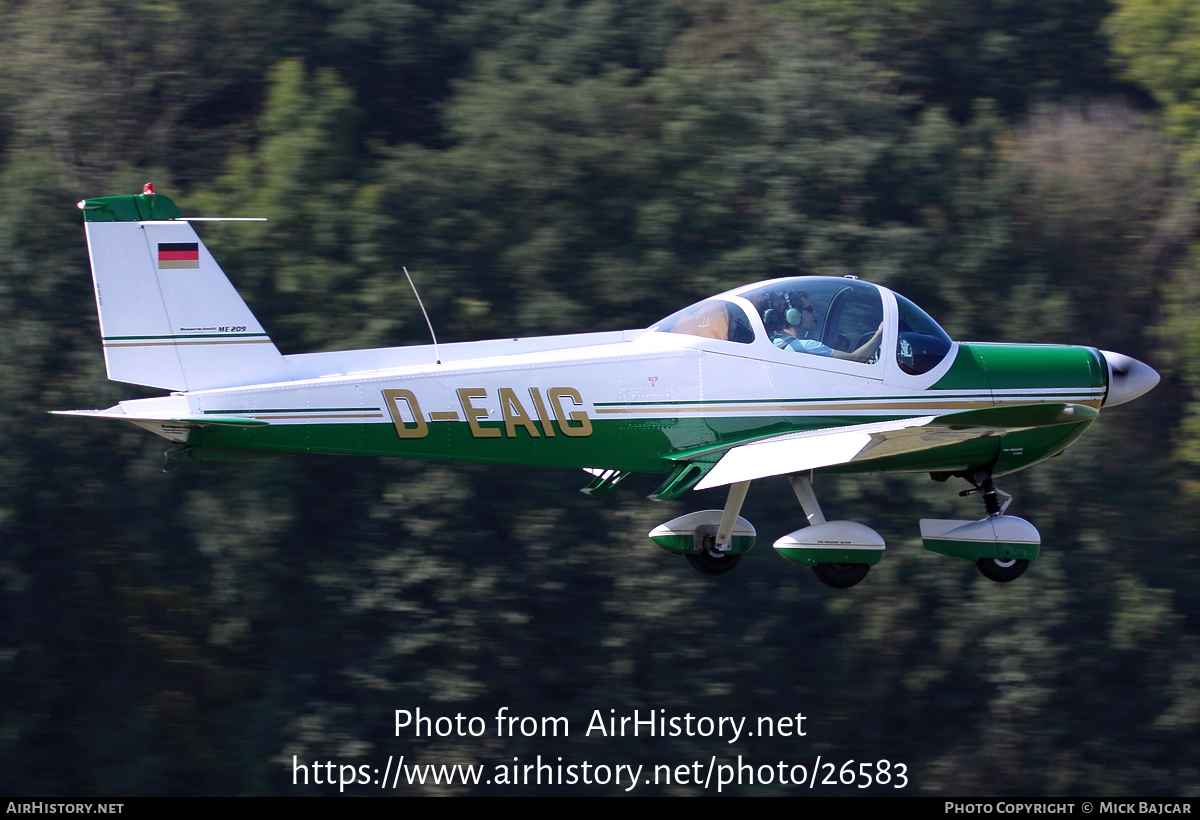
(169, 317)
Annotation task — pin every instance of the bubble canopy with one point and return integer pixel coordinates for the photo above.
(840, 318)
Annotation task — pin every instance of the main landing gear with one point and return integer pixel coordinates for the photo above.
(841, 553)
(713, 541)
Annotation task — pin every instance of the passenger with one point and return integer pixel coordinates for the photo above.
(789, 333)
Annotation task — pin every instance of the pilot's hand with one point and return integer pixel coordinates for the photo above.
(867, 352)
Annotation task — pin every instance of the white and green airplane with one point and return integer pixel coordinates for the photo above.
(791, 377)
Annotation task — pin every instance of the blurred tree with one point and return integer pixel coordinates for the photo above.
(301, 173)
(105, 85)
(1099, 210)
(955, 53)
(753, 153)
(1159, 44)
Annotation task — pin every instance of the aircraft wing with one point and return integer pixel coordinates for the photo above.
(813, 449)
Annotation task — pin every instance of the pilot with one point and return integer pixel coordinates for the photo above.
(801, 317)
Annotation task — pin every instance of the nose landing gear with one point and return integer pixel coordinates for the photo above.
(1001, 546)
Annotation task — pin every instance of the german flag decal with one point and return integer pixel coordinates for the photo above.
(178, 255)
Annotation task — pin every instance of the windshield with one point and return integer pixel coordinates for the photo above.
(921, 343)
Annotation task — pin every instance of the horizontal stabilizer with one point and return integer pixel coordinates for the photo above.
(167, 417)
(195, 421)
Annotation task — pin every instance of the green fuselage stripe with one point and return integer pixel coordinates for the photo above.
(185, 336)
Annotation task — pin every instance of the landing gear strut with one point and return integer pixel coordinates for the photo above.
(991, 494)
(715, 559)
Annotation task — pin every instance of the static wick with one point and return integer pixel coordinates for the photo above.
(422, 304)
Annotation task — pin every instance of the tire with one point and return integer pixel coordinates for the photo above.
(712, 563)
(841, 576)
(1000, 571)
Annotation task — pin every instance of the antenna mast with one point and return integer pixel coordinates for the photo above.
(422, 304)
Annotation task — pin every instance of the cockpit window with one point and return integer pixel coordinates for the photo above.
(838, 318)
(921, 343)
(714, 319)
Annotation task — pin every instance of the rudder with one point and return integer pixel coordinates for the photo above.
(169, 317)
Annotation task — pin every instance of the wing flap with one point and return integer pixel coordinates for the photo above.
(797, 452)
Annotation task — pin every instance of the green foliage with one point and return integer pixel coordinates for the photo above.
(1179, 336)
(1100, 221)
(1160, 43)
(955, 53)
(612, 191)
(301, 175)
(1160, 46)
(104, 85)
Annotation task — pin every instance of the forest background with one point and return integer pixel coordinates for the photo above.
(1026, 170)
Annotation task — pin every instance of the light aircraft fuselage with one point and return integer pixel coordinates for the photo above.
(796, 376)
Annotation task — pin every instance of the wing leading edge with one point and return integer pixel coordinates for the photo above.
(813, 449)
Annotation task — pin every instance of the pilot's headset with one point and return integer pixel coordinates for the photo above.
(792, 316)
